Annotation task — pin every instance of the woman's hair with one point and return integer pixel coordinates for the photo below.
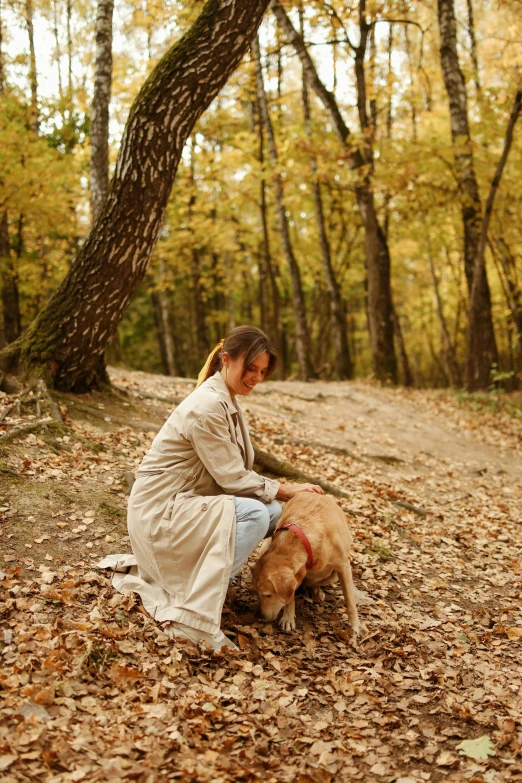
(248, 342)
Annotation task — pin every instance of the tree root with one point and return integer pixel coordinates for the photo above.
(24, 429)
(421, 512)
(146, 426)
(277, 468)
(147, 395)
(44, 393)
(317, 445)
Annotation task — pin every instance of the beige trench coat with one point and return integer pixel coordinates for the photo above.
(181, 515)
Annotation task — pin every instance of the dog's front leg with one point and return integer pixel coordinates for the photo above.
(287, 621)
(346, 579)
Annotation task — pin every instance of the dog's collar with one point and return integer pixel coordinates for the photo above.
(302, 535)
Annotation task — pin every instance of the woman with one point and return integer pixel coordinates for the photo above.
(197, 509)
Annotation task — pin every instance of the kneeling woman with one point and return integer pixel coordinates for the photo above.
(197, 509)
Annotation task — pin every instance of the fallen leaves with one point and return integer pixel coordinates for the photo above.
(479, 749)
(93, 687)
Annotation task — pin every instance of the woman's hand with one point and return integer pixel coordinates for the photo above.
(287, 491)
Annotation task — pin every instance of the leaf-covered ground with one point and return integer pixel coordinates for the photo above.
(91, 689)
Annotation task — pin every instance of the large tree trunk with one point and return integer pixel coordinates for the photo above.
(69, 335)
(100, 108)
(484, 339)
(380, 308)
(302, 337)
(343, 367)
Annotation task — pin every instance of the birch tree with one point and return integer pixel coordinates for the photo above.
(100, 108)
(485, 347)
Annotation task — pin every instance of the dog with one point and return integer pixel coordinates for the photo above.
(315, 559)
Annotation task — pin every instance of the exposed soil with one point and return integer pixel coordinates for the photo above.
(94, 690)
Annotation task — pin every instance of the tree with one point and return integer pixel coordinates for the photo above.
(380, 308)
(484, 346)
(475, 368)
(69, 335)
(343, 368)
(100, 108)
(302, 336)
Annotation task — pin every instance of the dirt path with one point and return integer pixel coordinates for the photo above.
(93, 690)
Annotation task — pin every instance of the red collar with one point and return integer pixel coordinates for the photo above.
(302, 535)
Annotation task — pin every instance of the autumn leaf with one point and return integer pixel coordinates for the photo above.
(478, 749)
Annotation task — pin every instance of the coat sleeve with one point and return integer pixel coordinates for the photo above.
(210, 438)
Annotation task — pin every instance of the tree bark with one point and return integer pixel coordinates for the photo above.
(100, 108)
(380, 308)
(484, 339)
(475, 367)
(69, 335)
(302, 337)
(343, 366)
(473, 42)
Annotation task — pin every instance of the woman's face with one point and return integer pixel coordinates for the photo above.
(240, 379)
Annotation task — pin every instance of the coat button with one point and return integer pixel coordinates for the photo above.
(204, 506)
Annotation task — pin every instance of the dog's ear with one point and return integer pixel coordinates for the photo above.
(285, 585)
(300, 575)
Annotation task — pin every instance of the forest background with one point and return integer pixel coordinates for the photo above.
(264, 223)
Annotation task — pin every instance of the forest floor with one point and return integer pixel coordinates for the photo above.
(93, 690)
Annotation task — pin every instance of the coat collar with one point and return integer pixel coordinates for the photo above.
(217, 383)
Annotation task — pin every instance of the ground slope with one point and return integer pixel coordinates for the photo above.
(93, 690)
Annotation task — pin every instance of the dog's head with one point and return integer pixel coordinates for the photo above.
(275, 583)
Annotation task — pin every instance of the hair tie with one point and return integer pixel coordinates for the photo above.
(206, 367)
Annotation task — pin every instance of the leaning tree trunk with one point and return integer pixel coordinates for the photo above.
(484, 337)
(302, 337)
(69, 335)
(343, 367)
(100, 108)
(380, 308)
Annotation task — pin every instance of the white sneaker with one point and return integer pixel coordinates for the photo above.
(214, 641)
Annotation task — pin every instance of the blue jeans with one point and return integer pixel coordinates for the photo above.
(254, 521)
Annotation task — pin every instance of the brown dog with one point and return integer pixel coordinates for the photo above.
(286, 563)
